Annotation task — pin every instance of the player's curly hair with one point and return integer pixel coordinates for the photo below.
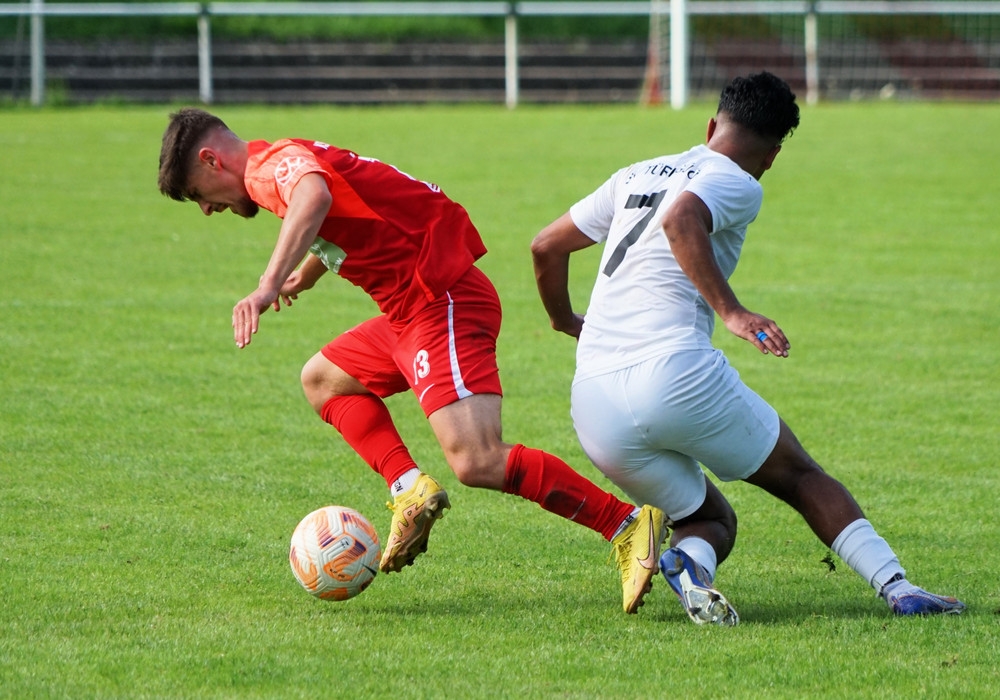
(762, 102)
(183, 134)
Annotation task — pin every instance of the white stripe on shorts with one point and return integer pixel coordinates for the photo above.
(456, 371)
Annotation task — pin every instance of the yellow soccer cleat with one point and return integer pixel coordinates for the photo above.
(413, 514)
(637, 555)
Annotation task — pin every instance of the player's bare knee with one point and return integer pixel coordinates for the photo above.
(313, 385)
(322, 380)
(478, 469)
(720, 511)
(312, 372)
(717, 508)
(466, 468)
(729, 521)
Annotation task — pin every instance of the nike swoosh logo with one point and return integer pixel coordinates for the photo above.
(649, 562)
(420, 399)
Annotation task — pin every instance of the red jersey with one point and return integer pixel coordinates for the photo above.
(401, 240)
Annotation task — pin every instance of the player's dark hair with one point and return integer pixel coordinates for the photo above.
(186, 129)
(762, 102)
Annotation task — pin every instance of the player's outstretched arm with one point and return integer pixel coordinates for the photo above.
(550, 251)
(308, 206)
(687, 225)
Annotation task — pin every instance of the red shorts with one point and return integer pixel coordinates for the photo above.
(444, 353)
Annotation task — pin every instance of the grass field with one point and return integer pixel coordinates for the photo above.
(151, 474)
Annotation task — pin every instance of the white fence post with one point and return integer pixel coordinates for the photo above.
(205, 91)
(37, 53)
(679, 54)
(511, 79)
(812, 55)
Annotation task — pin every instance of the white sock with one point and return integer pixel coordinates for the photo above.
(899, 585)
(869, 555)
(405, 482)
(627, 521)
(702, 552)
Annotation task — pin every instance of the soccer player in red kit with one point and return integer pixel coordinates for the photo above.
(413, 250)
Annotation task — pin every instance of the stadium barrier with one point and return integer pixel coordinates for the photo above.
(936, 48)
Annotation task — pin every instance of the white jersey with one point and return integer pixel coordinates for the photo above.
(643, 304)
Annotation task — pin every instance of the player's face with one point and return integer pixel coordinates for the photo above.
(216, 190)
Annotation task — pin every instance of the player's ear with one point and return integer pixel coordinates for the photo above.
(769, 158)
(712, 124)
(209, 157)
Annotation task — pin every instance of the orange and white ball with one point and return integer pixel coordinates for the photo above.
(335, 553)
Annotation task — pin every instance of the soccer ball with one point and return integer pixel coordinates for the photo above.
(335, 553)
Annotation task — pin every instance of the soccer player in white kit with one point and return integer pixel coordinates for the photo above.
(652, 399)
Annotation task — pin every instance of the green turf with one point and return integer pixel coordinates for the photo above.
(151, 474)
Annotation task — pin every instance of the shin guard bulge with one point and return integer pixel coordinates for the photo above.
(551, 483)
(367, 426)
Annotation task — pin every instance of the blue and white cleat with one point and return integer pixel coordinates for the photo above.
(904, 598)
(703, 604)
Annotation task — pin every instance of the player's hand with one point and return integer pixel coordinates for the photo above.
(285, 299)
(295, 284)
(289, 292)
(760, 331)
(246, 314)
(572, 328)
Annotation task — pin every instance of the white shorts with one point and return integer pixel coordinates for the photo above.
(647, 427)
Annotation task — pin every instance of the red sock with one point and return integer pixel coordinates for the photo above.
(366, 425)
(552, 484)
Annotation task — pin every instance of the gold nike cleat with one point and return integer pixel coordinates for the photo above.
(637, 555)
(413, 514)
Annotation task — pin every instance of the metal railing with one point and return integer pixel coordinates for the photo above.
(677, 13)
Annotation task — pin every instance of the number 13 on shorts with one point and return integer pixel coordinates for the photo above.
(421, 366)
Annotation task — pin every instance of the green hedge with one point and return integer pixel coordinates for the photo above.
(290, 28)
(708, 28)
